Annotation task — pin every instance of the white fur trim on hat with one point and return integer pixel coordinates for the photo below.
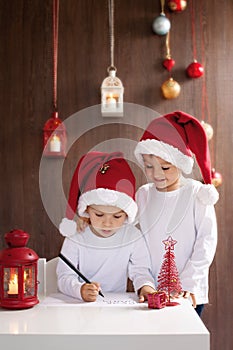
(208, 195)
(103, 196)
(67, 227)
(165, 151)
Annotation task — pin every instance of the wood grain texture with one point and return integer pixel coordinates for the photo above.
(83, 57)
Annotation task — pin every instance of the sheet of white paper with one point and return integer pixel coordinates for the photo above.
(110, 299)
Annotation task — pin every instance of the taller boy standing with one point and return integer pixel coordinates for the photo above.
(174, 205)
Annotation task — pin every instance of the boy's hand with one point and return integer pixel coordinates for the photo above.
(82, 223)
(90, 291)
(187, 294)
(144, 291)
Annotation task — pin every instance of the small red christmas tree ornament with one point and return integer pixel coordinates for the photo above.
(168, 279)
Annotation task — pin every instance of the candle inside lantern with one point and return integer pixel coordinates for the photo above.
(111, 101)
(13, 284)
(55, 144)
(25, 281)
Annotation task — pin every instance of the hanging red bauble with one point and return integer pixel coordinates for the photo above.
(195, 70)
(169, 63)
(177, 5)
(216, 178)
(170, 89)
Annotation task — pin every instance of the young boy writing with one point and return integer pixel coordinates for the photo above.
(110, 249)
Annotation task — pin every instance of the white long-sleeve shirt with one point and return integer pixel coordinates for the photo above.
(109, 261)
(188, 216)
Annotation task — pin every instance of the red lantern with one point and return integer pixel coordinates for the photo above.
(18, 272)
(54, 137)
(157, 300)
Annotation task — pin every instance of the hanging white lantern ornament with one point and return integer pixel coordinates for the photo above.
(161, 24)
(112, 95)
(112, 89)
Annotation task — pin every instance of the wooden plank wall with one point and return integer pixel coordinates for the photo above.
(26, 103)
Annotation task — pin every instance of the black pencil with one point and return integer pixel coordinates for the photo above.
(76, 270)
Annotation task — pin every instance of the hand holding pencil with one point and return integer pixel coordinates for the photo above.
(89, 290)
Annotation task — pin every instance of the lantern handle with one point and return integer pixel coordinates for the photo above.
(111, 68)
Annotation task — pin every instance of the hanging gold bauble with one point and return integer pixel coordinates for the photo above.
(170, 89)
(208, 129)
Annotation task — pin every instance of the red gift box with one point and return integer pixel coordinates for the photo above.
(157, 300)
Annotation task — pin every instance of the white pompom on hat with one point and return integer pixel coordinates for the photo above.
(100, 179)
(176, 137)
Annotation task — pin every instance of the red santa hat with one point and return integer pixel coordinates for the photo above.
(100, 179)
(176, 137)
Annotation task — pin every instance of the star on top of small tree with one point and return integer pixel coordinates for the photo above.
(169, 243)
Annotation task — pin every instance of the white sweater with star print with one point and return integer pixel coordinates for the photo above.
(188, 216)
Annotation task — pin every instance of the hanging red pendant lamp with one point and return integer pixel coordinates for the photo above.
(54, 131)
(54, 137)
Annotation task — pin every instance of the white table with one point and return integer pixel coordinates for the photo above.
(58, 322)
